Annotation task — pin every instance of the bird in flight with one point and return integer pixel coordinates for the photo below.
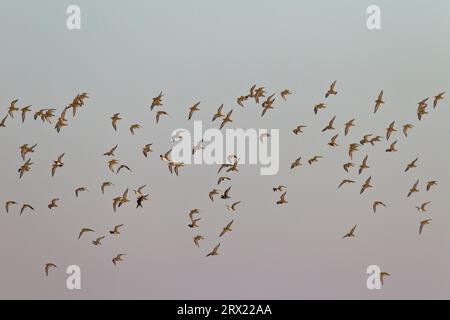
(378, 102)
(134, 127)
(57, 164)
(24, 111)
(279, 188)
(140, 200)
(213, 193)
(97, 242)
(48, 266)
(431, 184)
(8, 204)
(411, 165)
(12, 108)
(157, 101)
(232, 208)
(413, 189)
(390, 129)
(345, 181)
(365, 139)
(118, 258)
(268, 104)
(438, 97)
(159, 114)
(421, 109)
(104, 185)
(330, 125)
(147, 149)
(110, 153)
(366, 185)
(282, 199)
(375, 139)
(214, 251)
(332, 142)
(80, 189)
(351, 233)
(226, 229)
(422, 224)
(298, 129)
(226, 195)
(25, 149)
(123, 166)
(197, 239)
(25, 168)
(194, 222)
(348, 165)
(314, 159)
(348, 126)
(84, 230)
(351, 149)
(193, 109)
(111, 164)
(223, 179)
(53, 204)
(392, 147)
(115, 118)
(406, 127)
(226, 119)
(382, 275)
(218, 113)
(422, 207)
(296, 163)
(318, 107)
(26, 206)
(363, 165)
(377, 204)
(285, 93)
(115, 230)
(331, 90)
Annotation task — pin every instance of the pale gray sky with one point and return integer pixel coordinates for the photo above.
(213, 51)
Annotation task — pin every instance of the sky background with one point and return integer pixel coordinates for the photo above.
(213, 52)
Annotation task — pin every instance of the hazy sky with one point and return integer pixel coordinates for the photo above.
(213, 52)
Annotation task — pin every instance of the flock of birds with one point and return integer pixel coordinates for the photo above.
(225, 171)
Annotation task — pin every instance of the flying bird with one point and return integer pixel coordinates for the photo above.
(348, 165)
(212, 193)
(226, 229)
(331, 90)
(332, 142)
(147, 149)
(422, 224)
(25, 149)
(377, 204)
(406, 127)
(84, 230)
(104, 185)
(115, 118)
(118, 258)
(330, 125)
(318, 107)
(348, 126)
(390, 129)
(363, 165)
(392, 147)
(296, 163)
(110, 153)
(438, 97)
(226, 195)
(314, 159)
(115, 230)
(197, 239)
(111, 164)
(134, 127)
(351, 233)
(122, 166)
(298, 129)
(422, 207)
(53, 204)
(378, 102)
(279, 188)
(431, 184)
(26, 206)
(193, 109)
(285, 93)
(8, 204)
(48, 266)
(159, 114)
(157, 101)
(3, 122)
(226, 119)
(218, 113)
(140, 200)
(25, 168)
(97, 242)
(214, 252)
(345, 181)
(411, 165)
(382, 275)
(12, 108)
(80, 189)
(57, 164)
(232, 208)
(366, 185)
(24, 111)
(413, 189)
